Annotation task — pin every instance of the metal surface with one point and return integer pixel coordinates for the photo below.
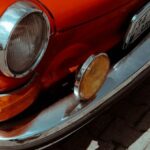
(139, 24)
(8, 22)
(80, 76)
(55, 119)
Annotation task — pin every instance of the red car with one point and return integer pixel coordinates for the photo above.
(61, 61)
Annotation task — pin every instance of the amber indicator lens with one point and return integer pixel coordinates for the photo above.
(92, 76)
(17, 101)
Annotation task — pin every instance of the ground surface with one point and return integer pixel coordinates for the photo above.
(124, 126)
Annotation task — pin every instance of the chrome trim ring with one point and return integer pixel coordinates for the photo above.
(80, 74)
(8, 22)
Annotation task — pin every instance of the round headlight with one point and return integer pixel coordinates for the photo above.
(24, 36)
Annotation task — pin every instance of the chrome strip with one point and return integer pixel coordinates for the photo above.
(54, 120)
(80, 75)
(140, 22)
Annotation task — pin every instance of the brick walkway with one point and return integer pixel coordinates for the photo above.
(124, 126)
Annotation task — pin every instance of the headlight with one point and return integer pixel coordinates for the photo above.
(24, 36)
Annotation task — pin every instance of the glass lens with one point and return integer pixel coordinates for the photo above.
(94, 77)
(26, 43)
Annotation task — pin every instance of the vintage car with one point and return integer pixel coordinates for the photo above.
(61, 62)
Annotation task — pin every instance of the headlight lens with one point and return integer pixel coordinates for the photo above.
(26, 32)
(25, 43)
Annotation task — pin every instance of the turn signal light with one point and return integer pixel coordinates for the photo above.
(91, 76)
(15, 102)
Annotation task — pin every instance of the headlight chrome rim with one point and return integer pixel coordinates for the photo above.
(14, 15)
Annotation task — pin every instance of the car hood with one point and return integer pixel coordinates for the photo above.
(71, 13)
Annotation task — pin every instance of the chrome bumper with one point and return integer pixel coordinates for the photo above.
(64, 115)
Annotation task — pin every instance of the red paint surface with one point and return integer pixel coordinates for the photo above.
(83, 28)
(79, 28)
(68, 13)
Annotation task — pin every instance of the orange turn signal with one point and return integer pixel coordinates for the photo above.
(15, 102)
(91, 76)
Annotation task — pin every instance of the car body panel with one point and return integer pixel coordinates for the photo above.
(70, 13)
(49, 121)
(94, 26)
(79, 29)
(70, 48)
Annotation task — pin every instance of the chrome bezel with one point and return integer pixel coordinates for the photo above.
(13, 15)
(132, 30)
(81, 73)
